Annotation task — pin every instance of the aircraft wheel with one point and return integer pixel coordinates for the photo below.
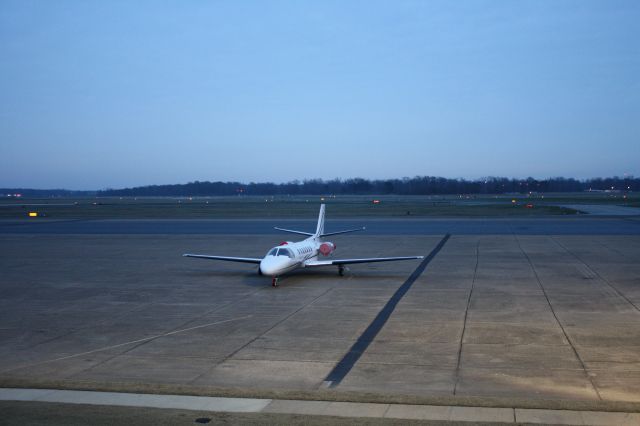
(274, 282)
(341, 270)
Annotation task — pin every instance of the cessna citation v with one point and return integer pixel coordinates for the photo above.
(303, 254)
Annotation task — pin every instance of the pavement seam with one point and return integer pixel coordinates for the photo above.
(606, 281)
(466, 312)
(553, 312)
(173, 331)
(124, 314)
(141, 341)
(384, 415)
(614, 250)
(262, 334)
(87, 327)
(73, 331)
(525, 368)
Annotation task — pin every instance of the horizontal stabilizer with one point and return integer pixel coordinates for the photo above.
(343, 232)
(225, 258)
(309, 234)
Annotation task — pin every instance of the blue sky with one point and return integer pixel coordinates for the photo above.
(112, 94)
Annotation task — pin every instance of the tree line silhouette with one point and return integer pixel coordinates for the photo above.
(419, 185)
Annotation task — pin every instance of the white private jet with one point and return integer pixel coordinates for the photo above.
(303, 254)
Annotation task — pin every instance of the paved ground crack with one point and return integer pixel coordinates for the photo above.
(553, 312)
(606, 281)
(466, 312)
(265, 332)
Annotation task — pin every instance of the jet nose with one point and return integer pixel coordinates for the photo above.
(269, 266)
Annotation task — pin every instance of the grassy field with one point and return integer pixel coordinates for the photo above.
(280, 207)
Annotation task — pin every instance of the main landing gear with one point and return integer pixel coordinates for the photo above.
(274, 282)
(341, 270)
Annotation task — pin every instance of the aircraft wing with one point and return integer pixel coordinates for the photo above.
(352, 261)
(227, 258)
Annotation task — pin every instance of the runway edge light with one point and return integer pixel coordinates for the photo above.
(33, 214)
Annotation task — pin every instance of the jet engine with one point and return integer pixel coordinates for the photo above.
(326, 248)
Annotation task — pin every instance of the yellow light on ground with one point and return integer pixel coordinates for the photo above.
(33, 214)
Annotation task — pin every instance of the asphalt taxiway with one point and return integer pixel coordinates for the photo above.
(512, 316)
(551, 225)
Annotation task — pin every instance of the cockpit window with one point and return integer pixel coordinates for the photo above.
(285, 252)
(277, 251)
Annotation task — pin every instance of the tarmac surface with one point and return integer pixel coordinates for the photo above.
(503, 316)
(604, 209)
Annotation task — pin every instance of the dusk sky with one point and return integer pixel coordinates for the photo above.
(98, 94)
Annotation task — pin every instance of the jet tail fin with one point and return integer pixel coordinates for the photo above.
(320, 227)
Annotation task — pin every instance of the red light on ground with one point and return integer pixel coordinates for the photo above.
(529, 206)
(376, 201)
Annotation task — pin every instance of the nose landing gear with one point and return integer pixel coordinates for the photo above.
(341, 270)
(274, 282)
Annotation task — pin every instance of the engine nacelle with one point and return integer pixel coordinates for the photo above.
(326, 248)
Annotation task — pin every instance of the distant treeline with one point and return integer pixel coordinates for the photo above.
(419, 185)
(36, 193)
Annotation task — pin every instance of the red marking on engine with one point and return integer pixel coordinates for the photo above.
(326, 248)
(284, 243)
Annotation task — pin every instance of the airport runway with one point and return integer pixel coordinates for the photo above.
(538, 317)
(604, 209)
(570, 225)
